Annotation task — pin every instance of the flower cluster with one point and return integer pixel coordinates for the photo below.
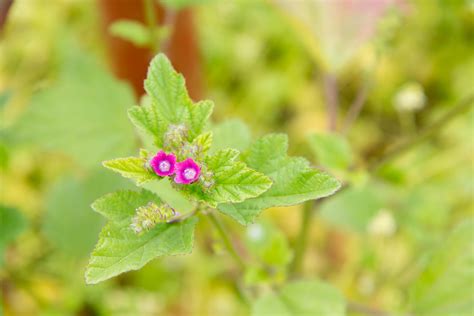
(151, 214)
(186, 172)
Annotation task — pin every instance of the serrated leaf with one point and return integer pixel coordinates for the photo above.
(148, 123)
(293, 180)
(204, 141)
(131, 167)
(199, 114)
(234, 181)
(132, 31)
(119, 249)
(445, 285)
(302, 298)
(170, 104)
(332, 150)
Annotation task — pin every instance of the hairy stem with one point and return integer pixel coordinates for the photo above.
(150, 16)
(332, 102)
(302, 239)
(225, 238)
(461, 108)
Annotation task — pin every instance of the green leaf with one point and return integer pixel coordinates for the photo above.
(12, 223)
(132, 31)
(69, 224)
(311, 298)
(293, 180)
(119, 249)
(332, 150)
(234, 181)
(352, 209)
(81, 114)
(231, 134)
(445, 285)
(132, 168)
(170, 104)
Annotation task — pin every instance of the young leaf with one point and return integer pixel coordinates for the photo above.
(293, 180)
(119, 249)
(132, 31)
(302, 298)
(132, 168)
(170, 104)
(445, 285)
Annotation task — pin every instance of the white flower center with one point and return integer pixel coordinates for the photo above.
(164, 166)
(189, 173)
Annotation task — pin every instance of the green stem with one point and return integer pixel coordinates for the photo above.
(461, 108)
(151, 21)
(225, 238)
(302, 240)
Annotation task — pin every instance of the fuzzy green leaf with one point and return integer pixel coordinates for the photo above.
(232, 180)
(293, 180)
(119, 249)
(131, 167)
(170, 104)
(302, 298)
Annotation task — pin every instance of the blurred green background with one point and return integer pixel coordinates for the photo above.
(398, 237)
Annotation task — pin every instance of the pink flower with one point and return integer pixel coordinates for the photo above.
(187, 171)
(163, 164)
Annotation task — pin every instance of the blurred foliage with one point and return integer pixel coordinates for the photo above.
(395, 239)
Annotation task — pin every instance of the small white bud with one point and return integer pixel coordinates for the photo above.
(410, 97)
(383, 224)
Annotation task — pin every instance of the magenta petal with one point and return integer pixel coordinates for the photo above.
(163, 164)
(187, 171)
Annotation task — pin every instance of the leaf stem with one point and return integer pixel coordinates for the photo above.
(462, 107)
(225, 238)
(150, 16)
(302, 239)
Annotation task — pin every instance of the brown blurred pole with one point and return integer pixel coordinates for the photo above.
(130, 62)
(5, 6)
